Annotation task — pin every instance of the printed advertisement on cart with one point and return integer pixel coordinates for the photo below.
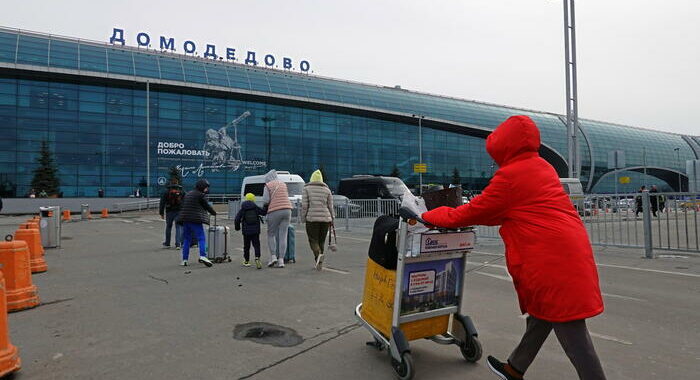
(431, 285)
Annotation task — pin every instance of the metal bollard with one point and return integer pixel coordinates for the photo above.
(84, 212)
(646, 222)
(347, 214)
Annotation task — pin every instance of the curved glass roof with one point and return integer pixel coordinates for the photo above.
(35, 49)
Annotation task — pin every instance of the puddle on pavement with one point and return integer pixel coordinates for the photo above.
(267, 333)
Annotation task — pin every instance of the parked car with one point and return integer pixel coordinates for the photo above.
(372, 187)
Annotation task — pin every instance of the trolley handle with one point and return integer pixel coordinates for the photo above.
(408, 215)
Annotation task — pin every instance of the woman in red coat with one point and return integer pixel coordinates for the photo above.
(548, 253)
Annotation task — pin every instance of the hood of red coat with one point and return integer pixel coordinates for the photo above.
(516, 136)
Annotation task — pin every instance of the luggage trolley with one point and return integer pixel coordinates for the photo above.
(417, 300)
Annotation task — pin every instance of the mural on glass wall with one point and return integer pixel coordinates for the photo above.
(220, 152)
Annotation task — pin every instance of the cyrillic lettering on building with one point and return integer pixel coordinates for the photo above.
(269, 60)
(250, 58)
(143, 39)
(117, 36)
(189, 47)
(168, 44)
(230, 54)
(287, 63)
(210, 52)
(305, 66)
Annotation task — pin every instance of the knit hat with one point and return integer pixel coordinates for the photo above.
(250, 197)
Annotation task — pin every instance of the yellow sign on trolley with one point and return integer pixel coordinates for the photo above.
(420, 168)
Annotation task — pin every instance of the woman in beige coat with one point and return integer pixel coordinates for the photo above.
(317, 213)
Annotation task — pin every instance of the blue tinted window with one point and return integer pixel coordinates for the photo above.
(238, 78)
(33, 51)
(8, 47)
(93, 58)
(171, 68)
(194, 72)
(63, 54)
(216, 75)
(146, 65)
(258, 80)
(120, 61)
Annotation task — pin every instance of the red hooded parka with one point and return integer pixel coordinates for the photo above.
(548, 253)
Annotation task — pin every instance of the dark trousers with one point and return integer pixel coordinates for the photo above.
(316, 232)
(574, 339)
(247, 240)
(170, 217)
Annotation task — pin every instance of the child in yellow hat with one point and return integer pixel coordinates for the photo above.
(248, 220)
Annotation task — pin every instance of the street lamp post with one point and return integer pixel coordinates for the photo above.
(571, 87)
(678, 155)
(267, 120)
(420, 151)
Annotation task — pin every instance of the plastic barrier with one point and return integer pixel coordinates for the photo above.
(105, 213)
(14, 258)
(9, 355)
(66, 215)
(31, 235)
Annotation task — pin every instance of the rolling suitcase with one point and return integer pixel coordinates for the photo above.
(290, 255)
(217, 243)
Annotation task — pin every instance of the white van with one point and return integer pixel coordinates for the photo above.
(573, 187)
(256, 185)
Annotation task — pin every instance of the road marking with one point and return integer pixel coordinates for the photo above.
(498, 276)
(610, 338)
(623, 297)
(335, 270)
(487, 253)
(649, 270)
(126, 221)
(353, 238)
(488, 265)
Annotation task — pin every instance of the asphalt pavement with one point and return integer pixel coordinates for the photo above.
(116, 305)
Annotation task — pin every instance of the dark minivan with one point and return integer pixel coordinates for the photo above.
(371, 187)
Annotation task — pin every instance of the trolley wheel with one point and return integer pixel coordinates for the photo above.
(471, 350)
(404, 369)
(229, 259)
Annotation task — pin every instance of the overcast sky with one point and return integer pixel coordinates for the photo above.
(638, 60)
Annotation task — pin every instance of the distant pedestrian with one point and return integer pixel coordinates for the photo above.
(32, 193)
(43, 194)
(100, 193)
(248, 221)
(654, 199)
(279, 215)
(137, 193)
(638, 202)
(193, 215)
(548, 253)
(169, 209)
(317, 213)
(0, 204)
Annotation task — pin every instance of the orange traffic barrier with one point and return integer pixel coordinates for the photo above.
(66, 215)
(105, 213)
(9, 355)
(14, 258)
(37, 264)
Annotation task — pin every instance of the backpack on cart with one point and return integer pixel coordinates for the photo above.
(290, 255)
(217, 243)
(382, 247)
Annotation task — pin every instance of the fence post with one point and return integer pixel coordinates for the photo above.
(646, 222)
(347, 214)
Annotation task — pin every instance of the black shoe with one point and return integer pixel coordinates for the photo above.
(499, 368)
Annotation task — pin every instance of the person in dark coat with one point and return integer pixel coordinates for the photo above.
(193, 215)
(548, 253)
(638, 202)
(169, 209)
(654, 199)
(248, 219)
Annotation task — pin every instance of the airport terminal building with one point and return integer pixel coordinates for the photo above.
(108, 112)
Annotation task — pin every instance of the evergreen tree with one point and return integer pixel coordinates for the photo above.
(395, 172)
(45, 176)
(456, 179)
(175, 175)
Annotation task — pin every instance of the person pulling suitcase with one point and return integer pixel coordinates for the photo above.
(192, 216)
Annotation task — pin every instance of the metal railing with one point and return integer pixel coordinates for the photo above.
(650, 221)
(137, 205)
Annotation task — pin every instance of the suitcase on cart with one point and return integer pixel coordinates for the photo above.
(217, 243)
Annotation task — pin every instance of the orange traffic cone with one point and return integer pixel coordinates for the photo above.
(66, 215)
(105, 213)
(37, 263)
(9, 355)
(14, 258)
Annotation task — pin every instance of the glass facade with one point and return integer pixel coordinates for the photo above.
(89, 101)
